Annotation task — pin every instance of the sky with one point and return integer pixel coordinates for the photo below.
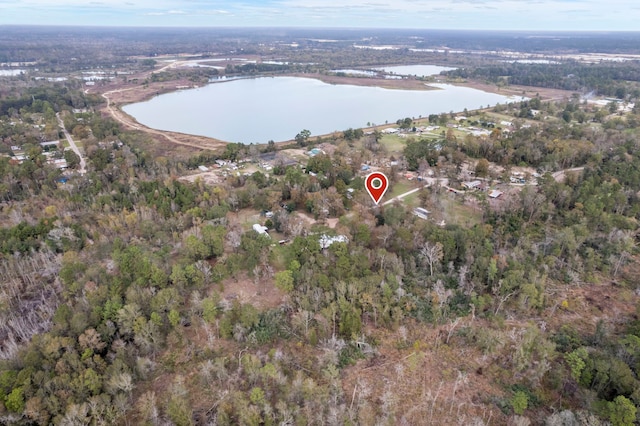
(543, 15)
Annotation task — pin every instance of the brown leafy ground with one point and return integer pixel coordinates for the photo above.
(261, 293)
(419, 378)
(180, 362)
(420, 375)
(422, 381)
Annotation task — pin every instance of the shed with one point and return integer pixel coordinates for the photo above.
(261, 229)
(421, 213)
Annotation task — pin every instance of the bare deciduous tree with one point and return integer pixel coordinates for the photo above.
(431, 253)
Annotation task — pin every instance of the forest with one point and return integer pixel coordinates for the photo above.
(130, 295)
(604, 79)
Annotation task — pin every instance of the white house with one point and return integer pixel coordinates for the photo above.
(326, 241)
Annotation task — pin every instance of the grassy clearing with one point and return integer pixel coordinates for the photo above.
(393, 143)
(247, 217)
(412, 200)
(431, 135)
(497, 117)
(399, 188)
(455, 212)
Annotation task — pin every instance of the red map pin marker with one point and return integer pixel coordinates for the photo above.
(376, 184)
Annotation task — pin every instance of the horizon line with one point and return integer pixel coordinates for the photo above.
(281, 27)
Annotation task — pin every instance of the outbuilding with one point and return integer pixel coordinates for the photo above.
(262, 230)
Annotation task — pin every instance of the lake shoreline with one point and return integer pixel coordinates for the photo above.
(129, 94)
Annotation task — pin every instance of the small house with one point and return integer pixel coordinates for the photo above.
(474, 184)
(46, 146)
(421, 213)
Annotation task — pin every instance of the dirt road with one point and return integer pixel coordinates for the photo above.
(560, 176)
(72, 144)
(429, 181)
(125, 120)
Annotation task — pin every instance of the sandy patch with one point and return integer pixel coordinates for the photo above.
(261, 292)
(545, 94)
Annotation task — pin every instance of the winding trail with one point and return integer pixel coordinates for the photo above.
(123, 119)
(131, 123)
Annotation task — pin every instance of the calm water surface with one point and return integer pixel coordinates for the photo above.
(277, 108)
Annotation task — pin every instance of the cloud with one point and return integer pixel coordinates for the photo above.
(214, 12)
(167, 12)
(464, 14)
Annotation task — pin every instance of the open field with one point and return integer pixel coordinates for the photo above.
(545, 94)
(399, 187)
(412, 200)
(393, 143)
(464, 214)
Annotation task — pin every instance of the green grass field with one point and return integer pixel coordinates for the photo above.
(455, 212)
(393, 143)
(412, 200)
(399, 188)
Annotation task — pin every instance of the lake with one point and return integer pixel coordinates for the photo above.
(257, 110)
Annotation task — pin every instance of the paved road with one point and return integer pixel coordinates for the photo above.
(72, 144)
